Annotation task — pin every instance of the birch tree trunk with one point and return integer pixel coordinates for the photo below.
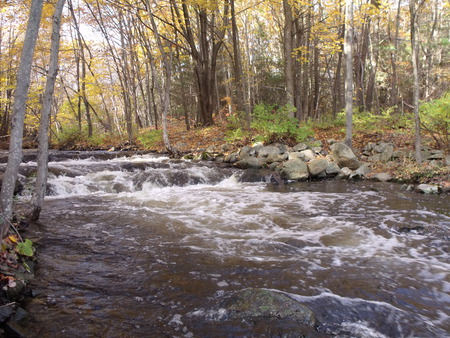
(19, 108)
(42, 158)
(414, 56)
(348, 71)
(165, 89)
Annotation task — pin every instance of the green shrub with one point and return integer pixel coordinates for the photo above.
(370, 122)
(150, 138)
(435, 119)
(236, 127)
(273, 123)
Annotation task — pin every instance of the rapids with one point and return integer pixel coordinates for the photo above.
(147, 247)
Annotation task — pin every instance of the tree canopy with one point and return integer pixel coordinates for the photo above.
(224, 56)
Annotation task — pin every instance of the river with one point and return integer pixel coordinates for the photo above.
(144, 246)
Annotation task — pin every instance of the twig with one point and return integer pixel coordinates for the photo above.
(12, 226)
(9, 304)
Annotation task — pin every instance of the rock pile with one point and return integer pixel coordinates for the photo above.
(300, 162)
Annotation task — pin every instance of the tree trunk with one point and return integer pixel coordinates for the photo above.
(165, 89)
(19, 108)
(394, 81)
(204, 46)
(42, 158)
(415, 58)
(288, 50)
(348, 36)
(237, 60)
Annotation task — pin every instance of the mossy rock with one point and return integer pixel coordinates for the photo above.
(254, 303)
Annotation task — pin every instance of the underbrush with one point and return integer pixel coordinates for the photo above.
(269, 124)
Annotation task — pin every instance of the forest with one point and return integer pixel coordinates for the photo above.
(125, 65)
(147, 78)
(96, 73)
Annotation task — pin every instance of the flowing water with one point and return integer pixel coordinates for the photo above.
(147, 247)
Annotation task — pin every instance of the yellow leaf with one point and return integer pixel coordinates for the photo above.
(13, 239)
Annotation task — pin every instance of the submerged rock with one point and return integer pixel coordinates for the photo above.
(254, 303)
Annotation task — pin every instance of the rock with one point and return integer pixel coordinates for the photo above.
(361, 172)
(273, 153)
(255, 175)
(296, 156)
(231, 158)
(13, 329)
(447, 159)
(246, 152)
(259, 303)
(6, 311)
(277, 158)
(427, 189)
(267, 150)
(344, 172)
(308, 154)
(317, 166)
(332, 168)
(294, 170)
(300, 147)
(382, 177)
(387, 153)
(436, 155)
(249, 162)
(344, 156)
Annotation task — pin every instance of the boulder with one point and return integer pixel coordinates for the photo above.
(436, 155)
(294, 170)
(344, 156)
(387, 153)
(296, 156)
(427, 189)
(268, 150)
(308, 154)
(383, 177)
(300, 147)
(231, 158)
(249, 162)
(251, 304)
(344, 172)
(332, 168)
(361, 172)
(256, 175)
(246, 152)
(273, 153)
(317, 166)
